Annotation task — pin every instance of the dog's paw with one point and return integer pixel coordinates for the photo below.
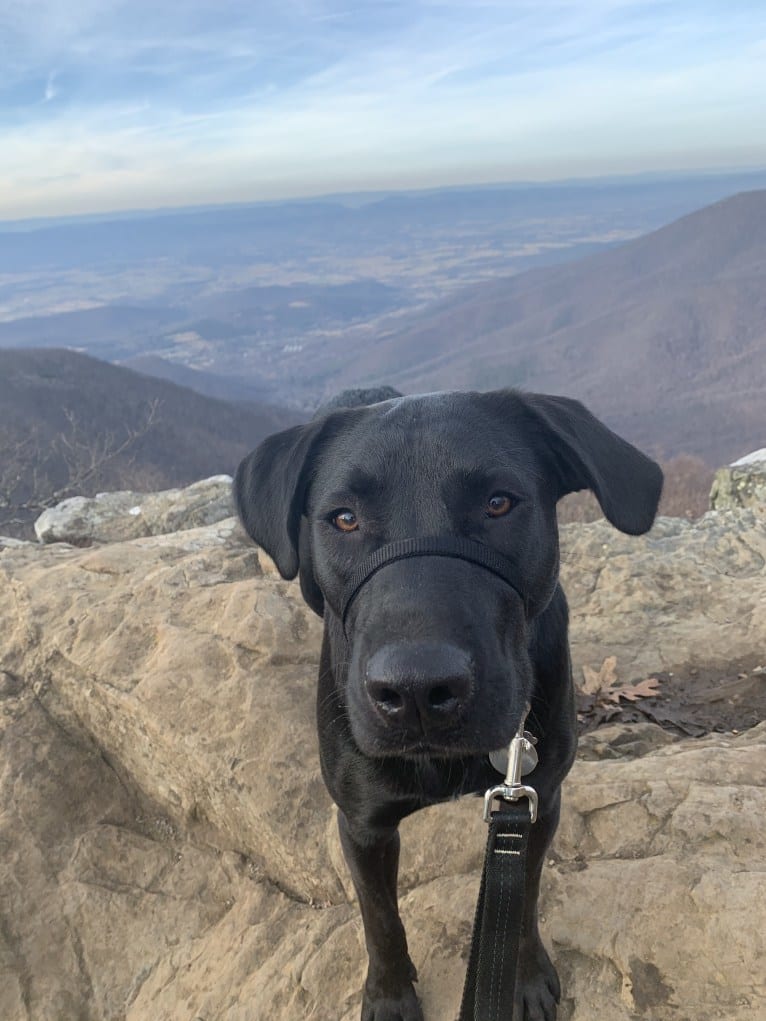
(538, 990)
(402, 1007)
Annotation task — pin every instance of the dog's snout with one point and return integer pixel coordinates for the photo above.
(420, 686)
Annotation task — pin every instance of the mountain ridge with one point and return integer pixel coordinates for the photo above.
(67, 417)
(676, 315)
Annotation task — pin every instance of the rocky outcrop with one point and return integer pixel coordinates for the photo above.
(115, 517)
(169, 850)
(9, 542)
(741, 484)
(687, 593)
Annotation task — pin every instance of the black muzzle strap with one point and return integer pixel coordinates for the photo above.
(431, 546)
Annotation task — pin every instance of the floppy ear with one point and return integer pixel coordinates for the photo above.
(588, 455)
(310, 590)
(270, 491)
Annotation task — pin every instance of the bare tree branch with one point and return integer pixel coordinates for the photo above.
(27, 488)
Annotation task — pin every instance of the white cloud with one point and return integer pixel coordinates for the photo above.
(50, 88)
(248, 101)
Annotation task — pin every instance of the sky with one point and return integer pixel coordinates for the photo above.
(108, 105)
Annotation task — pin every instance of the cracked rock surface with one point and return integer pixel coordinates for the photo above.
(168, 850)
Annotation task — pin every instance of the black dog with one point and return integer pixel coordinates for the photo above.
(428, 661)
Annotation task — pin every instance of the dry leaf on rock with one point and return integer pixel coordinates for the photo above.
(642, 689)
(597, 682)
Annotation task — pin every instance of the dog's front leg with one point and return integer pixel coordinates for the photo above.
(373, 860)
(537, 984)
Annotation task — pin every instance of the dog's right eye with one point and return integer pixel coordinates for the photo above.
(345, 520)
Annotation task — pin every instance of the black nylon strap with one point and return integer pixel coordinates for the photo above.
(430, 546)
(490, 982)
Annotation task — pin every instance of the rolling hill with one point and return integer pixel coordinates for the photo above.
(61, 411)
(664, 336)
(225, 388)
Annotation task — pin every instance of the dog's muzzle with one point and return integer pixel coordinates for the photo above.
(433, 546)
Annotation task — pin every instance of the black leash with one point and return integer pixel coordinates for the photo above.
(490, 983)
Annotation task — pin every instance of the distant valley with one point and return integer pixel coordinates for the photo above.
(264, 292)
(577, 288)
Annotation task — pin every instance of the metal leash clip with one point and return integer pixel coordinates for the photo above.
(512, 789)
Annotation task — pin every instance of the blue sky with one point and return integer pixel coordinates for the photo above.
(106, 104)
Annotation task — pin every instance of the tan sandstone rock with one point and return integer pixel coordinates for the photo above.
(169, 852)
(689, 592)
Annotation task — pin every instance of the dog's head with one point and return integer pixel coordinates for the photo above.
(431, 653)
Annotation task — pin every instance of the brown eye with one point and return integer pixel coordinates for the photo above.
(345, 520)
(498, 505)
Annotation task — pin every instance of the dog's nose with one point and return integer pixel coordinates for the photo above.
(420, 686)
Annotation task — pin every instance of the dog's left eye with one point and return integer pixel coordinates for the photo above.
(499, 504)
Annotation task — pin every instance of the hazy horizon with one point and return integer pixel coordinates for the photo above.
(367, 196)
(107, 107)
